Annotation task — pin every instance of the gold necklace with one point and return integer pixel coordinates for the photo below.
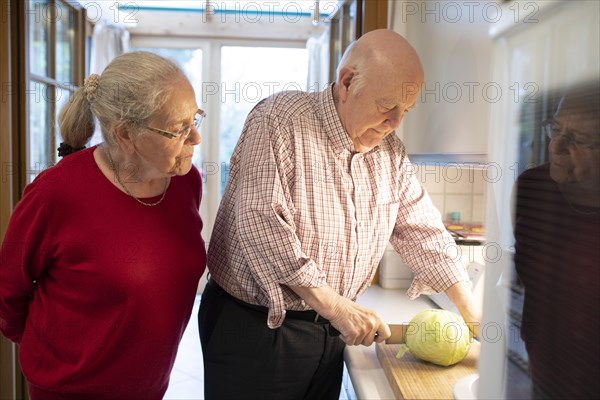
(112, 166)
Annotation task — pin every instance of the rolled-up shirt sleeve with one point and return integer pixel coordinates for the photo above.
(265, 216)
(422, 241)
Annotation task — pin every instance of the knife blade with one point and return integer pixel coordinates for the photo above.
(398, 333)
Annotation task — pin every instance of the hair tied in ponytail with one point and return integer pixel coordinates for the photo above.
(90, 86)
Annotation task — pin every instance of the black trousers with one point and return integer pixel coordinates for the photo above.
(245, 359)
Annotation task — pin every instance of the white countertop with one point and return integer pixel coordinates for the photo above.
(367, 376)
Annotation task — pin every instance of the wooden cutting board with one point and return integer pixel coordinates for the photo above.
(411, 378)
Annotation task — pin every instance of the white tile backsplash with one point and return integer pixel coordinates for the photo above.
(438, 202)
(478, 182)
(462, 203)
(453, 187)
(431, 178)
(457, 180)
(478, 208)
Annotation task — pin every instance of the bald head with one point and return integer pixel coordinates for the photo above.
(378, 81)
(385, 54)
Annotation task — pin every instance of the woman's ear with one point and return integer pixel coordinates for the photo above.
(123, 136)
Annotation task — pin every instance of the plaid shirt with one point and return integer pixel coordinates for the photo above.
(302, 208)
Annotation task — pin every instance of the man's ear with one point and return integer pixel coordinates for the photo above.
(123, 136)
(346, 76)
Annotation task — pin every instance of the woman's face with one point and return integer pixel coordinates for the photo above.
(162, 156)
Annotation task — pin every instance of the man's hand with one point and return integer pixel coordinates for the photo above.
(356, 324)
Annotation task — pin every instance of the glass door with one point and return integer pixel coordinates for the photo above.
(266, 70)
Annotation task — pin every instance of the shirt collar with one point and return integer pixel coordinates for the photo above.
(338, 138)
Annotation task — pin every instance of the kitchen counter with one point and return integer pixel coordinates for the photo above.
(364, 370)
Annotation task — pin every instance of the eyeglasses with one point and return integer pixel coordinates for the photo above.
(555, 132)
(184, 133)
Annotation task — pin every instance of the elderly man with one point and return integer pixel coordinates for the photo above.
(557, 258)
(319, 185)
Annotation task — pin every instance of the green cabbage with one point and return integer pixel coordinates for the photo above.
(438, 336)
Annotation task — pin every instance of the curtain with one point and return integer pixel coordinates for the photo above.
(318, 62)
(108, 42)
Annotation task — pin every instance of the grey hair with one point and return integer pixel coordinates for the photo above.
(354, 60)
(130, 90)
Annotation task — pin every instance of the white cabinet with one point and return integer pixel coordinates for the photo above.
(393, 273)
(452, 113)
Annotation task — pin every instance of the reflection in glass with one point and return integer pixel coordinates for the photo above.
(557, 231)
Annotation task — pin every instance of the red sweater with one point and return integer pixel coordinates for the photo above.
(97, 288)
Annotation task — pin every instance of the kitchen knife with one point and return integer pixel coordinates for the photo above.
(398, 333)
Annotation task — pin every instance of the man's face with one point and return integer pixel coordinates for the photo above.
(376, 109)
(575, 148)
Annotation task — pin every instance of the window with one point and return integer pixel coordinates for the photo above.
(55, 39)
(41, 62)
(267, 70)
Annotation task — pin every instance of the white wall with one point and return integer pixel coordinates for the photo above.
(455, 49)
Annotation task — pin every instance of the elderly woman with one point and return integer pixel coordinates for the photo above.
(102, 256)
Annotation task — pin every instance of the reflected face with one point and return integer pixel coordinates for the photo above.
(169, 157)
(575, 148)
(376, 109)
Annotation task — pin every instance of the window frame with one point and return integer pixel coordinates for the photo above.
(54, 85)
(14, 130)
